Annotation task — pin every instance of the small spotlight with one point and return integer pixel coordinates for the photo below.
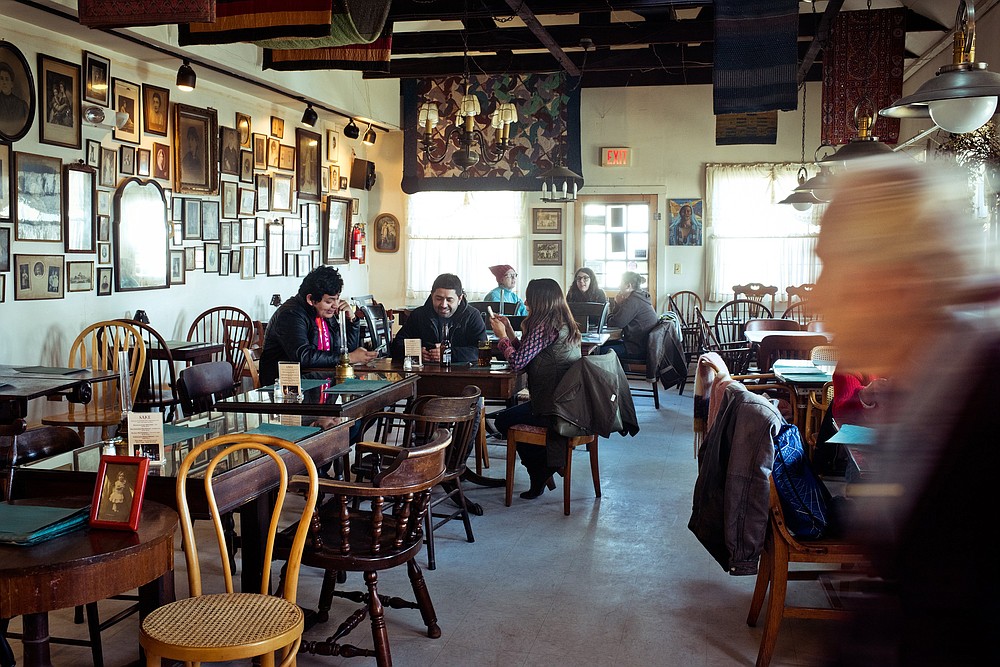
(186, 77)
(369, 139)
(351, 131)
(309, 116)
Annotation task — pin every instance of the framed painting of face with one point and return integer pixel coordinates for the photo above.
(126, 100)
(59, 111)
(17, 93)
(307, 173)
(195, 150)
(155, 104)
(97, 74)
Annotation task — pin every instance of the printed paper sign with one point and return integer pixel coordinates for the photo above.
(145, 435)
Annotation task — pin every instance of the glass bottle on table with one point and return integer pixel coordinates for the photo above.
(445, 346)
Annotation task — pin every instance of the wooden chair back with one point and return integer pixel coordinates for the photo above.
(379, 327)
(730, 321)
(364, 300)
(222, 450)
(158, 383)
(32, 445)
(683, 303)
(777, 347)
(801, 312)
(229, 326)
(735, 354)
(799, 292)
(819, 326)
(460, 414)
(495, 305)
(819, 403)
(98, 347)
(595, 314)
(771, 324)
(251, 360)
(201, 385)
(762, 294)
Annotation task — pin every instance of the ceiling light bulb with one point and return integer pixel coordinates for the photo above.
(962, 115)
(801, 206)
(187, 79)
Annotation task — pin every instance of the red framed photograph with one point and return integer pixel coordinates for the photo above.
(121, 482)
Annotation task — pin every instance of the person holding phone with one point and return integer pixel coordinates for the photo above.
(632, 312)
(549, 344)
(445, 314)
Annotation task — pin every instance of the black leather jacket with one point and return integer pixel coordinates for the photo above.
(292, 335)
(466, 330)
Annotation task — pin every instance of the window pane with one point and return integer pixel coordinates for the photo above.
(593, 247)
(638, 218)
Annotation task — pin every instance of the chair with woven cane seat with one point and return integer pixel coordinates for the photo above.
(228, 326)
(100, 347)
(346, 538)
(780, 549)
(234, 626)
(538, 435)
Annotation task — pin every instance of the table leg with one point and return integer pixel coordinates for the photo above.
(255, 517)
(35, 640)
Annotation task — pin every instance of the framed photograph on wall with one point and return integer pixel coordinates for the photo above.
(259, 151)
(210, 220)
(192, 219)
(97, 75)
(247, 200)
(126, 160)
(273, 153)
(59, 102)
(142, 160)
(103, 253)
(93, 153)
(80, 208)
(5, 172)
(293, 234)
(546, 253)
(177, 276)
(246, 166)
(229, 151)
(80, 276)
(336, 229)
(125, 97)
(685, 224)
(155, 105)
(195, 150)
(211, 258)
(108, 175)
(4, 249)
(335, 177)
(281, 193)
(243, 125)
(104, 282)
(161, 161)
(263, 187)
(103, 228)
(286, 157)
(277, 127)
(38, 277)
(230, 200)
(117, 501)
(332, 142)
(386, 230)
(275, 250)
(248, 262)
(546, 221)
(224, 262)
(38, 211)
(307, 146)
(16, 121)
(248, 230)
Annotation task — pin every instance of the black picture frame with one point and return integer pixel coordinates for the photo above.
(309, 150)
(59, 121)
(246, 166)
(79, 209)
(195, 150)
(125, 96)
(142, 160)
(93, 153)
(192, 219)
(16, 122)
(126, 160)
(336, 230)
(177, 272)
(230, 200)
(155, 116)
(210, 220)
(108, 172)
(259, 151)
(229, 151)
(97, 79)
(79, 276)
(4, 249)
(42, 197)
(104, 281)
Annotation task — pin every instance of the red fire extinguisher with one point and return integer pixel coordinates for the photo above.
(358, 243)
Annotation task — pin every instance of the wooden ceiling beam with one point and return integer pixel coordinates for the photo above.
(530, 20)
(819, 41)
(421, 10)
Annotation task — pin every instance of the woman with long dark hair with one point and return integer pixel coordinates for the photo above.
(549, 344)
(584, 288)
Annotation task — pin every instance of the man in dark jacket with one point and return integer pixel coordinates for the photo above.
(305, 328)
(445, 314)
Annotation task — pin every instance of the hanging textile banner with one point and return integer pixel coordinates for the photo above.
(132, 13)
(247, 20)
(373, 57)
(361, 23)
(746, 128)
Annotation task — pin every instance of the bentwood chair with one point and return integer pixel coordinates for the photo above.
(234, 626)
(736, 354)
(801, 312)
(731, 319)
(158, 387)
(251, 359)
(762, 294)
(343, 538)
(229, 326)
(684, 303)
(771, 324)
(103, 346)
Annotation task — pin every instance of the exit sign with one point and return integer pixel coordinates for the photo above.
(615, 157)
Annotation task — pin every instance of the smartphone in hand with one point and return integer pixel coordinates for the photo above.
(489, 309)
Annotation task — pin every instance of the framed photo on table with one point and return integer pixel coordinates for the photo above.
(96, 74)
(121, 484)
(546, 221)
(59, 106)
(125, 97)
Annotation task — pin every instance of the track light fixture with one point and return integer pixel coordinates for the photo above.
(351, 131)
(309, 116)
(186, 77)
(369, 139)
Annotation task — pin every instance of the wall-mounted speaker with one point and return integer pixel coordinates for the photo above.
(362, 174)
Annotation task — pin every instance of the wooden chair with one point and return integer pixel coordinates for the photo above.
(762, 294)
(801, 312)
(344, 538)
(158, 385)
(229, 326)
(594, 314)
(538, 435)
(98, 348)
(819, 326)
(799, 292)
(379, 327)
(646, 371)
(201, 385)
(777, 347)
(251, 361)
(230, 625)
(771, 324)
(780, 549)
(732, 317)
(684, 304)
(735, 354)
(825, 355)
(819, 404)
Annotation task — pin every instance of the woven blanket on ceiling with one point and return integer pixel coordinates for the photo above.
(863, 63)
(361, 22)
(131, 13)
(547, 128)
(760, 127)
(248, 20)
(756, 57)
(372, 57)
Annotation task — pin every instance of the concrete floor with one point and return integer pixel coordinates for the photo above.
(620, 581)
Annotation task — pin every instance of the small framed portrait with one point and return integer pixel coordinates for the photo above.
(18, 111)
(4, 249)
(59, 110)
(38, 207)
(96, 74)
(229, 151)
(3, 288)
(336, 229)
(177, 209)
(307, 172)
(262, 183)
(225, 236)
(210, 220)
(355, 206)
(104, 281)
(343, 182)
(155, 108)
(195, 150)
(243, 126)
(38, 277)
(80, 206)
(259, 151)
(273, 152)
(192, 219)
(325, 185)
(103, 253)
(211, 258)
(189, 258)
(117, 501)
(293, 234)
(234, 261)
(248, 262)
(281, 193)
(103, 228)
(546, 253)
(142, 159)
(335, 177)
(546, 221)
(93, 153)
(161, 161)
(125, 96)
(276, 251)
(246, 166)
(290, 264)
(108, 175)
(126, 160)
(261, 257)
(304, 267)
(277, 128)
(685, 224)
(332, 143)
(103, 203)
(80, 276)
(247, 232)
(386, 233)
(177, 267)
(224, 263)
(247, 201)
(230, 200)
(286, 158)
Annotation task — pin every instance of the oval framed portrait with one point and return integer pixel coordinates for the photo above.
(17, 93)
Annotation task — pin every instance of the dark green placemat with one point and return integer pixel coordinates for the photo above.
(354, 385)
(172, 434)
(30, 524)
(292, 433)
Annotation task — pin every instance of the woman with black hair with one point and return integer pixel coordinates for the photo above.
(584, 288)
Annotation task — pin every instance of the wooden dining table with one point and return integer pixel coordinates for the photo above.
(757, 335)
(187, 351)
(17, 387)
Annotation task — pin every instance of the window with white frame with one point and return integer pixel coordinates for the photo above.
(752, 238)
(463, 233)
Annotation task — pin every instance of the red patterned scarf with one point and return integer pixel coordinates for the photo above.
(324, 334)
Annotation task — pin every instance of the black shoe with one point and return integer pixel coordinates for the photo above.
(533, 493)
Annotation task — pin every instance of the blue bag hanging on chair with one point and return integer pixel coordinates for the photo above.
(803, 497)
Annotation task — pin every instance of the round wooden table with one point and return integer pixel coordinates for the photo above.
(84, 566)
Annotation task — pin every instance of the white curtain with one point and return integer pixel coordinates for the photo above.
(752, 238)
(463, 233)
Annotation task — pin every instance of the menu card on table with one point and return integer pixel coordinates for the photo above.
(289, 379)
(145, 436)
(412, 352)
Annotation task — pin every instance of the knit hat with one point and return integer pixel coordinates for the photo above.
(500, 270)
